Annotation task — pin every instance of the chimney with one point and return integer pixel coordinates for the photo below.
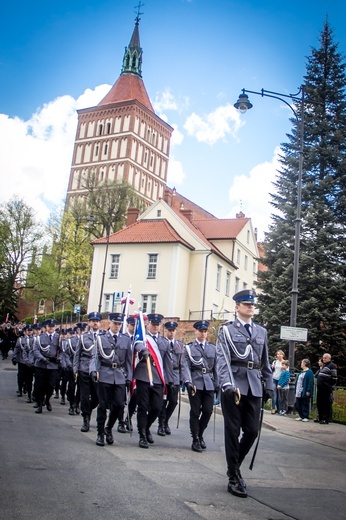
(240, 215)
(132, 216)
(187, 213)
(167, 196)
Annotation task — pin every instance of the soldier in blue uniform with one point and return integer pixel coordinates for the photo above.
(111, 368)
(81, 364)
(244, 375)
(46, 353)
(150, 394)
(181, 375)
(19, 358)
(201, 361)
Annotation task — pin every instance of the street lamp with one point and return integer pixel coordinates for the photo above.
(243, 104)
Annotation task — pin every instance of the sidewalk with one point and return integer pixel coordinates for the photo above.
(332, 435)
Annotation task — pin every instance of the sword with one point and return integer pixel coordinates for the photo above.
(179, 407)
(259, 432)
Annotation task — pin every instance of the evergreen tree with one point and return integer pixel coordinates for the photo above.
(322, 261)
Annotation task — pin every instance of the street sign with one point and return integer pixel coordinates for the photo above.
(76, 309)
(293, 333)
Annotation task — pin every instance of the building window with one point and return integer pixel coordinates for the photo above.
(236, 287)
(152, 265)
(158, 214)
(215, 311)
(238, 256)
(149, 303)
(254, 269)
(248, 237)
(105, 150)
(244, 285)
(97, 150)
(228, 283)
(151, 160)
(218, 276)
(115, 261)
(108, 303)
(100, 129)
(245, 262)
(108, 128)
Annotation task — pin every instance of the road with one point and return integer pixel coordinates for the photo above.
(51, 471)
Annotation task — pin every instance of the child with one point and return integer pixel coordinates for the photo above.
(283, 386)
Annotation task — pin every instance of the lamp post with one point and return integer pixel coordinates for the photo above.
(92, 221)
(243, 104)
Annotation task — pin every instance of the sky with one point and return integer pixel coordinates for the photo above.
(58, 57)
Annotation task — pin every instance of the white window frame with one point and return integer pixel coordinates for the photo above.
(152, 266)
(115, 264)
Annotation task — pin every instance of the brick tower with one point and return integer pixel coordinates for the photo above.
(122, 138)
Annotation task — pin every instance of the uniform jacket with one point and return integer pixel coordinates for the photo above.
(46, 352)
(180, 369)
(141, 372)
(243, 377)
(82, 356)
(19, 353)
(202, 365)
(112, 361)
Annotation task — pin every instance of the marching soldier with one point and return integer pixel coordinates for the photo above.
(19, 357)
(201, 361)
(111, 368)
(154, 362)
(46, 354)
(181, 375)
(81, 364)
(244, 375)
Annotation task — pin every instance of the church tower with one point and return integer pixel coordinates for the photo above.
(122, 138)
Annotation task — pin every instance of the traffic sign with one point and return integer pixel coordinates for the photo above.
(293, 333)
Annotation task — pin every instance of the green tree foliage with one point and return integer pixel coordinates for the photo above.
(322, 263)
(20, 237)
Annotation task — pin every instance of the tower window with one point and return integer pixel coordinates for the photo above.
(100, 129)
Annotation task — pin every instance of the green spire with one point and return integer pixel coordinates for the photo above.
(132, 61)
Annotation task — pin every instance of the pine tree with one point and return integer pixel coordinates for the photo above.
(322, 261)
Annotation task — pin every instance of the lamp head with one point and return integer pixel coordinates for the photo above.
(243, 104)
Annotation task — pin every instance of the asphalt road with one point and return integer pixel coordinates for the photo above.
(51, 471)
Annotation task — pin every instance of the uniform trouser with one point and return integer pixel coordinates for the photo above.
(244, 416)
(169, 404)
(111, 397)
(71, 387)
(63, 381)
(88, 394)
(149, 404)
(21, 376)
(201, 408)
(29, 376)
(324, 405)
(45, 380)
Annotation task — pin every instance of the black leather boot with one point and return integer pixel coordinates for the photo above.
(167, 429)
(143, 443)
(196, 445)
(161, 429)
(149, 436)
(122, 427)
(71, 411)
(38, 408)
(236, 484)
(100, 441)
(86, 424)
(109, 435)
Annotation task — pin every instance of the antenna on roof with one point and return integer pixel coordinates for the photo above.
(138, 7)
(241, 205)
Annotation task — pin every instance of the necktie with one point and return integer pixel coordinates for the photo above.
(95, 334)
(172, 345)
(50, 338)
(248, 328)
(202, 346)
(115, 337)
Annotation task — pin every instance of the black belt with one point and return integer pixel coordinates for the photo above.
(201, 369)
(111, 365)
(247, 364)
(175, 368)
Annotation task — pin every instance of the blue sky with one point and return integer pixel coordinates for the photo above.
(197, 56)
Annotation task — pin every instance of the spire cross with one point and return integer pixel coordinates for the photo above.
(138, 7)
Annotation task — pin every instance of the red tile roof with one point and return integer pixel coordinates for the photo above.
(145, 231)
(128, 87)
(221, 228)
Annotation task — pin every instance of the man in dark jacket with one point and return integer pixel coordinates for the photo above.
(326, 380)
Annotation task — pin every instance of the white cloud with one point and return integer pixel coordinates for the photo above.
(35, 156)
(250, 194)
(175, 174)
(167, 101)
(225, 120)
(177, 136)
